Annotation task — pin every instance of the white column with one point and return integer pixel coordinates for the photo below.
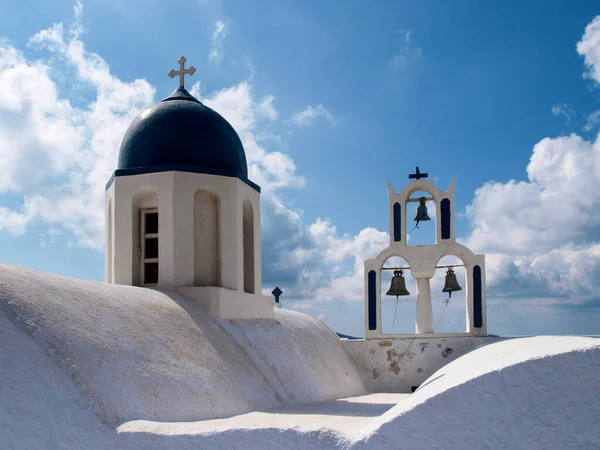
(123, 255)
(424, 322)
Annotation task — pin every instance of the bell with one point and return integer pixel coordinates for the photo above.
(398, 286)
(451, 284)
(422, 212)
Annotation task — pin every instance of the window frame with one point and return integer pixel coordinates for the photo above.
(143, 237)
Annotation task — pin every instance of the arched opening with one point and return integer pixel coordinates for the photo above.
(145, 237)
(398, 315)
(425, 233)
(450, 318)
(109, 244)
(248, 238)
(207, 258)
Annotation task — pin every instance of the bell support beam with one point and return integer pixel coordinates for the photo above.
(414, 200)
(424, 321)
(437, 267)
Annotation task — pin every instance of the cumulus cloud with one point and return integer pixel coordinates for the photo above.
(60, 166)
(218, 36)
(589, 48)
(592, 121)
(310, 114)
(541, 236)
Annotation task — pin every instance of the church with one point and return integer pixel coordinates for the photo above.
(180, 348)
(181, 212)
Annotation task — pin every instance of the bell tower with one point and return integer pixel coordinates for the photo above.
(422, 263)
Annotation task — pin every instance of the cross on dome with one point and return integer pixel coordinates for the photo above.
(182, 72)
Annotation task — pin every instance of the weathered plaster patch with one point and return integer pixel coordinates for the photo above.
(447, 351)
(394, 367)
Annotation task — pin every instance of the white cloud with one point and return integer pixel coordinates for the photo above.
(589, 48)
(61, 163)
(69, 153)
(543, 234)
(592, 121)
(563, 109)
(271, 170)
(311, 113)
(218, 36)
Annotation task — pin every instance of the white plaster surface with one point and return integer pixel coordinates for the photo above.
(528, 393)
(396, 365)
(143, 354)
(193, 210)
(75, 353)
(227, 304)
(346, 417)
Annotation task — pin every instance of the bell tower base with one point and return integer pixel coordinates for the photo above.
(228, 304)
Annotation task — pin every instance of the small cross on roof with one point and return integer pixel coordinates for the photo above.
(276, 293)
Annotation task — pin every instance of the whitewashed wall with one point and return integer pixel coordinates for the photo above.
(396, 365)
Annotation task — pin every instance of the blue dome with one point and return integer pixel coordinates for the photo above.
(183, 134)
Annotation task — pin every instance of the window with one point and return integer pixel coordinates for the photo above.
(149, 246)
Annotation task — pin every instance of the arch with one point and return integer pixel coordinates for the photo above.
(459, 251)
(398, 315)
(109, 244)
(427, 231)
(248, 246)
(207, 251)
(145, 199)
(420, 185)
(451, 317)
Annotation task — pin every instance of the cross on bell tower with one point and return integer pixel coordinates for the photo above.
(417, 175)
(182, 72)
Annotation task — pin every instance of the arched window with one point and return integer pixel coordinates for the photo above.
(425, 233)
(450, 317)
(145, 237)
(248, 238)
(109, 244)
(207, 258)
(398, 315)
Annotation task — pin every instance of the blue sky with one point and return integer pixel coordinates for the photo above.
(332, 100)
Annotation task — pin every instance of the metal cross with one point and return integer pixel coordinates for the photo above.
(418, 175)
(276, 293)
(182, 72)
